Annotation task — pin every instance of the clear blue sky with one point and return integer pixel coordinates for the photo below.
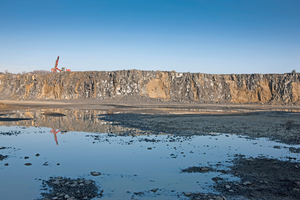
(207, 36)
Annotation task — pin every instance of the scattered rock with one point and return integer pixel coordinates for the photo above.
(27, 164)
(296, 189)
(2, 157)
(188, 194)
(294, 150)
(195, 169)
(297, 183)
(227, 186)
(216, 179)
(247, 183)
(262, 178)
(203, 196)
(95, 173)
(60, 188)
(154, 190)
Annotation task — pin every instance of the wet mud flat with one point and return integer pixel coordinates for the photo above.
(151, 156)
(261, 177)
(277, 126)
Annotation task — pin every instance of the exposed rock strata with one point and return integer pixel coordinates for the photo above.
(168, 86)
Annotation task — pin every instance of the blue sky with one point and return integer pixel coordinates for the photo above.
(206, 36)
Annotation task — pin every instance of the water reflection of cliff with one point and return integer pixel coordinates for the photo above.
(75, 120)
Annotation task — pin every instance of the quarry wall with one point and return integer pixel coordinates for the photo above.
(167, 86)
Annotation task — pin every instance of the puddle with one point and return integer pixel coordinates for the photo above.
(138, 165)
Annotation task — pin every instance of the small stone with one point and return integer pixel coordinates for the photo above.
(56, 182)
(66, 196)
(247, 183)
(188, 194)
(28, 164)
(87, 182)
(296, 189)
(46, 164)
(55, 198)
(26, 157)
(57, 164)
(95, 173)
(218, 198)
(6, 164)
(37, 155)
(154, 190)
(216, 179)
(227, 186)
(231, 190)
(204, 169)
(149, 148)
(60, 194)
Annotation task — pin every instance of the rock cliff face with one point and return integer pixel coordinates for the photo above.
(167, 86)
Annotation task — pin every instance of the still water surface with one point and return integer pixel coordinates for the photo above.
(127, 164)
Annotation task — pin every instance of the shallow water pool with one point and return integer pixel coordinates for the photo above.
(130, 166)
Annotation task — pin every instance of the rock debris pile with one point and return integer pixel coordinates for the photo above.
(70, 189)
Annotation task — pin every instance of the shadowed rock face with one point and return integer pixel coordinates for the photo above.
(169, 86)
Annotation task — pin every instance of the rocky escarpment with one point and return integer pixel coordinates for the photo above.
(167, 86)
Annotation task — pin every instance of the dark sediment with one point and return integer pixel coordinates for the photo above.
(72, 189)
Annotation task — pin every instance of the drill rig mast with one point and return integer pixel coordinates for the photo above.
(55, 69)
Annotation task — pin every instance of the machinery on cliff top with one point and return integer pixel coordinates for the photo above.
(55, 69)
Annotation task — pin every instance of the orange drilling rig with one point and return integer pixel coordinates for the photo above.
(55, 69)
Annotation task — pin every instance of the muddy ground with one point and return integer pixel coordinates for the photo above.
(260, 178)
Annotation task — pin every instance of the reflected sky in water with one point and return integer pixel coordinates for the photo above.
(128, 163)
